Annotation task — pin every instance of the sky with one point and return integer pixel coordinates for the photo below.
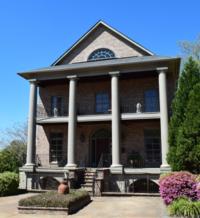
(34, 33)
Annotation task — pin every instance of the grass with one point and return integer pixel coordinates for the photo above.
(53, 199)
(184, 207)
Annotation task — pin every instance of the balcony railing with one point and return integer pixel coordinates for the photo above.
(44, 160)
(138, 108)
(46, 112)
(90, 109)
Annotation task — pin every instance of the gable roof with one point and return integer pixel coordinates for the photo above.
(92, 29)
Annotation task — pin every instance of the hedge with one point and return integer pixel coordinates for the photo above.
(9, 183)
(53, 199)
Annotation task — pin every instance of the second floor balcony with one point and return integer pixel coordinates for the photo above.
(86, 108)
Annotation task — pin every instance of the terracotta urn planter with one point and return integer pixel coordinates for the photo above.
(63, 188)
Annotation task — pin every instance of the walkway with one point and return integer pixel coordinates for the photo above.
(106, 207)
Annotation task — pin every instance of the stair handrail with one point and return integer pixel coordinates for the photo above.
(100, 164)
(93, 184)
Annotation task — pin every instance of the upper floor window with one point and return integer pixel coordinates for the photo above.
(100, 54)
(151, 100)
(102, 103)
(56, 106)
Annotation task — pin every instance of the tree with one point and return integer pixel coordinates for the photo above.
(18, 132)
(188, 138)
(189, 78)
(191, 48)
(8, 161)
(14, 142)
(17, 148)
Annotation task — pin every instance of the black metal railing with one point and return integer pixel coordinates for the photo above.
(137, 108)
(46, 112)
(90, 109)
(105, 160)
(46, 160)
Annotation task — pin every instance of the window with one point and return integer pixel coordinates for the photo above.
(152, 147)
(56, 145)
(151, 100)
(102, 53)
(56, 106)
(102, 103)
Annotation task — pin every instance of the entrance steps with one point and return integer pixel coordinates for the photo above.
(88, 180)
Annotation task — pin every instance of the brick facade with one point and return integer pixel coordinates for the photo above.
(131, 92)
(132, 134)
(101, 38)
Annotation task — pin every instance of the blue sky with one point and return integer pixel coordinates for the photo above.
(33, 33)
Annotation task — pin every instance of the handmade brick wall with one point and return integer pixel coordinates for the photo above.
(102, 38)
(132, 138)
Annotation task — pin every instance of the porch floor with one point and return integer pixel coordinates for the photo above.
(126, 170)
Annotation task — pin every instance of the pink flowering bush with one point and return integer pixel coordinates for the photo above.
(178, 184)
(198, 191)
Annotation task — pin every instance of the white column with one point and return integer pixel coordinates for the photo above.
(72, 119)
(115, 120)
(31, 124)
(163, 116)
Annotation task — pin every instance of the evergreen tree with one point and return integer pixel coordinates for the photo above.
(190, 76)
(188, 138)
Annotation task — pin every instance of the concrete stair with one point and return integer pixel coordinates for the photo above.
(88, 180)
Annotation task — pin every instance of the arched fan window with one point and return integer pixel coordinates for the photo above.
(100, 54)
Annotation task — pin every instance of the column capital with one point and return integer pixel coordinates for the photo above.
(72, 77)
(33, 81)
(162, 69)
(114, 73)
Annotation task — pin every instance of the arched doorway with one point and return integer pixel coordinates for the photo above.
(144, 185)
(100, 152)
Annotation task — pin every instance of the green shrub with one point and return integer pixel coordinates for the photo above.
(184, 207)
(9, 183)
(8, 161)
(53, 199)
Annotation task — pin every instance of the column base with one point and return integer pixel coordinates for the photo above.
(28, 167)
(71, 166)
(116, 169)
(165, 168)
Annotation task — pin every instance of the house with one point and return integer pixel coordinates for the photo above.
(99, 115)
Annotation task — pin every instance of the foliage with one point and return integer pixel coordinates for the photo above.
(18, 149)
(13, 154)
(188, 138)
(8, 161)
(9, 183)
(183, 207)
(191, 48)
(181, 107)
(17, 132)
(198, 190)
(53, 199)
(178, 184)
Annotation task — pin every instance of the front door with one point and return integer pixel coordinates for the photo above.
(101, 149)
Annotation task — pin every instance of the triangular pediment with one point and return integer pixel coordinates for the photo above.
(99, 36)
